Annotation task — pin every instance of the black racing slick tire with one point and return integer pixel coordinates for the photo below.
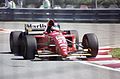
(14, 43)
(76, 37)
(30, 47)
(21, 47)
(90, 42)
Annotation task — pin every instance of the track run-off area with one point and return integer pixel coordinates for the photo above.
(102, 67)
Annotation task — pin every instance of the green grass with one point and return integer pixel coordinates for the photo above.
(115, 52)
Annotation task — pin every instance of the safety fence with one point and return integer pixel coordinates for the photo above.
(62, 15)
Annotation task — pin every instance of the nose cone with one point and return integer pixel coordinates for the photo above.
(65, 54)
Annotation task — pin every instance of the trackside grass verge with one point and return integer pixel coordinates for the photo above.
(115, 53)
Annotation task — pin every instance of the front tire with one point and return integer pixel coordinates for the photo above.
(30, 47)
(90, 42)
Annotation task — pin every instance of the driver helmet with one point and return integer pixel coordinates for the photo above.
(56, 27)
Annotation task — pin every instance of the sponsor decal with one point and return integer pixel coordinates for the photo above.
(36, 26)
(61, 41)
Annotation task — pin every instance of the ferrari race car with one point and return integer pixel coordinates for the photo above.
(49, 41)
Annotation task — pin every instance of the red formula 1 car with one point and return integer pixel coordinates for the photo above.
(49, 41)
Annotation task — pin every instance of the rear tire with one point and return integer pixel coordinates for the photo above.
(90, 42)
(21, 38)
(30, 47)
(14, 42)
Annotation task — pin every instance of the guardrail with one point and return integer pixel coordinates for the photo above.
(65, 15)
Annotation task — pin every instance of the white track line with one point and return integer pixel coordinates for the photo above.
(99, 66)
(104, 56)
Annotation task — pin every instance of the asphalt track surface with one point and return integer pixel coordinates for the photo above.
(14, 67)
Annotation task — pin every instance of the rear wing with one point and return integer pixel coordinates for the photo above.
(35, 28)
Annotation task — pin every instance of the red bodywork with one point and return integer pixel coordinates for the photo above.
(56, 42)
